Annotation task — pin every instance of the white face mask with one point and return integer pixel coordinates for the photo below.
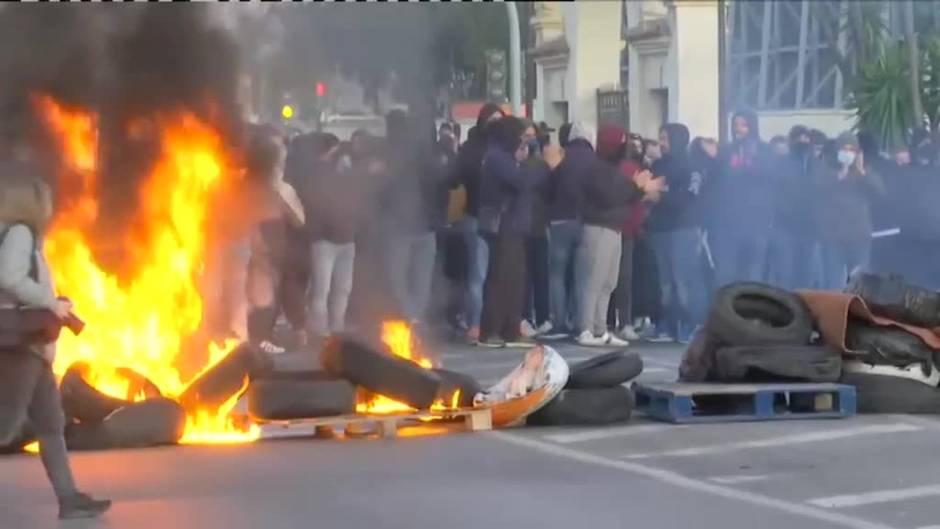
(846, 157)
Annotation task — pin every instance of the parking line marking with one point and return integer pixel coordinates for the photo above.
(878, 496)
(678, 480)
(606, 433)
(661, 363)
(742, 478)
(811, 437)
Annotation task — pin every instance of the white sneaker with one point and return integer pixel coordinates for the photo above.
(545, 328)
(526, 329)
(270, 348)
(629, 333)
(615, 341)
(587, 339)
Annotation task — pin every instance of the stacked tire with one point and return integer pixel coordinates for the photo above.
(595, 394)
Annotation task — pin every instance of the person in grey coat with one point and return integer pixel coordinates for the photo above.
(28, 388)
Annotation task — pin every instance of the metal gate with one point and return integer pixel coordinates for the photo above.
(613, 106)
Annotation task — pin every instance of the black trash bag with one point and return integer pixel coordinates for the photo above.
(301, 395)
(759, 314)
(890, 394)
(382, 373)
(213, 388)
(888, 346)
(151, 422)
(586, 407)
(777, 363)
(452, 381)
(81, 401)
(891, 297)
(605, 371)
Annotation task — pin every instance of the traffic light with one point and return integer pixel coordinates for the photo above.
(320, 88)
(496, 75)
(287, 111)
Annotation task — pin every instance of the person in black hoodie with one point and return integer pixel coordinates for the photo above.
(793, 239)
(742, 222)
(469, 167)
(675, 231)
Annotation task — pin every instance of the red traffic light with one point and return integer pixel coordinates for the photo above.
(321, 89)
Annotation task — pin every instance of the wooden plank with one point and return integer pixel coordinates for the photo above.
(387, 425)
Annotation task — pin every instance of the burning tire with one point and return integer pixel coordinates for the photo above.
(83, 402)
(394, 377)
(217, 385)
(758, 314)
(300, 396)
(586, 407)
(778, 362)
(605, 371)
(452, 381)
(149, 423)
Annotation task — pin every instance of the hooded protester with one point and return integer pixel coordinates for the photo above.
(469, 168)
(793, 240)
(537, 314)
(505, 219)
(913, 192)
(675, 232)
(741, 227)
(847, 187)
(607, 200)
(565, 190)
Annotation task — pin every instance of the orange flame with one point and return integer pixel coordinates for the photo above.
(142, 322)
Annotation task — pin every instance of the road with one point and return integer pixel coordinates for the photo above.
(870, 472)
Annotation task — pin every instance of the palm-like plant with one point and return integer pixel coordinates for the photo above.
(881, 96)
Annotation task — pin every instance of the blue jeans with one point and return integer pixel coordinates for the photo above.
(478, 256)
(739, 256)
(564, 237)
(792, 265)
(840, 260)
(678, 261)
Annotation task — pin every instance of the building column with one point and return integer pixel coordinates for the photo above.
(694, 68)
(595, 46)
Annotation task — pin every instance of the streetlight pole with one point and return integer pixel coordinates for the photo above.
(515, 60)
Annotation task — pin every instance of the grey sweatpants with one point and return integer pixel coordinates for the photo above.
(597, 268)
(28, 391)
(330, 285)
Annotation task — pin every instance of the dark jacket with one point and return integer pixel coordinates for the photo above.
(469, 168)
(745, 184)
(844, 206)
(675, 210)
(538, 172)
(916, 202)
(415, 199)
(333, 202)
(566, 186)
(795, 193)
(608, 196)
(505, 192)
(704, 175)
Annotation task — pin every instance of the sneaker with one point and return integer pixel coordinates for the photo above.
(555, 333)
(587, 339)
(544, 328)
(614, 341)
(270, 348)
(492, 343)
(629, 333)
(81, 505)
(472, 336)
(521, 342)
(661, 338)
(526, 329)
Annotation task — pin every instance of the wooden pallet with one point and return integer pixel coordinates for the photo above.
(475, 419)
(702, 403)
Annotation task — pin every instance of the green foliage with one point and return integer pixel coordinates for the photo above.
(881, 96)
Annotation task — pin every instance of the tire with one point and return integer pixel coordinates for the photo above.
(151, 422)
(891, 297)
(605, 371)
(138, 384)
(381, 373)
(888, 346)
(317, 395)
(452, 381)
(890, 394)
(586, 407)
(81, 401)
(787, 363)
(699, 358)
(759, 314)
(214, 387)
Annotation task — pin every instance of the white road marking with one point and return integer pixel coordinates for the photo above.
(812, 437)
(678, 480)
(878, 496)
(658, 370)
(661, 363)
(606, 433)
(741, 478)
(930, 527)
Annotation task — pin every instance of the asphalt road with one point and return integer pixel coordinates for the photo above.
(863, 473)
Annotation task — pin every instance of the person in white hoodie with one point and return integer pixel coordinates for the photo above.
(28, 388)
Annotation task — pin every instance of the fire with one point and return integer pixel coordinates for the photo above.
(143, 320)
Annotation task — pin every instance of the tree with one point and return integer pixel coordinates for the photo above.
(914, 61)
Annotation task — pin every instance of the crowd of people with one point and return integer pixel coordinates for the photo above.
(601, 238)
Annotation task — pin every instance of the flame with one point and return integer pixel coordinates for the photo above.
(143, 320)
(397, 336)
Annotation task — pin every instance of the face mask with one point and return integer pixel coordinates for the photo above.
(846, 157)
(533, 147)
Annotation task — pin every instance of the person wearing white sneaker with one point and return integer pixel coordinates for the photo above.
(627, 332)
(587, 339)
(526, 329)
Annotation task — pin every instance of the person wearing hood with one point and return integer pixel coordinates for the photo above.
(847, 188)
(915, 189)
(675, 232)
(742, 223)
(565, 191)
(469, 169)
(793, 240)
(607, 200)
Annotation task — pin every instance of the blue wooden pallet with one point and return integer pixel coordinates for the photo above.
(687, 403)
